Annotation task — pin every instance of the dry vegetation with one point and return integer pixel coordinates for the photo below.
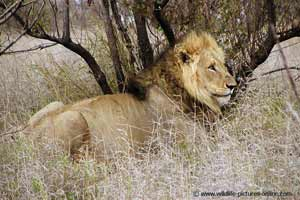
(255, 147)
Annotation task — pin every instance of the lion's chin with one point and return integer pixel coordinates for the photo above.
(224, 100)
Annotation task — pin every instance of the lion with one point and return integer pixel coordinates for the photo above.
(192, 71)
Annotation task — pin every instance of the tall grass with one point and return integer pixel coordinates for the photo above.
(254, 148)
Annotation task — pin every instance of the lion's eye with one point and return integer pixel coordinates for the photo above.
(212, 68)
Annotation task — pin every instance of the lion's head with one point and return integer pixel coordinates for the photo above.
(204, 74)
(196, 64)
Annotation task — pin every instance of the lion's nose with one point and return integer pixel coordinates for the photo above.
(230, 86)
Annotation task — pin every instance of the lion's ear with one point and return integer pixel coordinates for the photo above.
(182, 54)
(185, 58)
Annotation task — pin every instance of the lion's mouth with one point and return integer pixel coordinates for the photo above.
(223, 95)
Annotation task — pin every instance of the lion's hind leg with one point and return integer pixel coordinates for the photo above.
(72, 128)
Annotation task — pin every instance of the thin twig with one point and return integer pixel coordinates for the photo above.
(287, 46)
(39, 47)
(10, 11)
(280, 69)
(13, 42)
(273, 71)
(25, 31)
(154, 35)
(40, 33)
(29, 2)
(13, 132)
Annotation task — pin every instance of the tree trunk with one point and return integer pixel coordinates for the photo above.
(66, 21)
(145, 49)
(112, 43)
(164, 24)
(123, 30)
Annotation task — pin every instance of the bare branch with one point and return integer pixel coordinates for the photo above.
(38, 47)
(274, 71)
(40, 33)
(287, 46)
(294, 32)
(28, 3)
(10, 11)
(280, 69)
(25, 31)
(13, 42)
(14, 131)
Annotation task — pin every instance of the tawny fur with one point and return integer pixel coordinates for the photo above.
(191, 72)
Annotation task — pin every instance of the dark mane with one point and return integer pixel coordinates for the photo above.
(138, 84)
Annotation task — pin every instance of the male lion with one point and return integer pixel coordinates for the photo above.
(192, 71)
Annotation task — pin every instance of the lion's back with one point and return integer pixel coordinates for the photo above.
(108, 119)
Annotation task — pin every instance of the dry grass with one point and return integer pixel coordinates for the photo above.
(255, 147)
